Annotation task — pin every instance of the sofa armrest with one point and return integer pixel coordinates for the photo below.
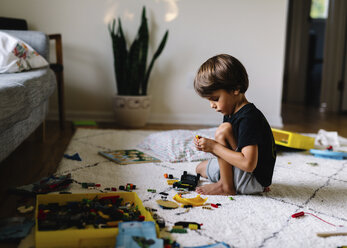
(37, 40)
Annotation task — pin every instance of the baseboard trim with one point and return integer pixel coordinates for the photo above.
(189, 119)
(83, 115)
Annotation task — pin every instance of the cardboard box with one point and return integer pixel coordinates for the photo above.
(88, 237)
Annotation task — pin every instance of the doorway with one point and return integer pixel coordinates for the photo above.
(315, 60)
(317, 25)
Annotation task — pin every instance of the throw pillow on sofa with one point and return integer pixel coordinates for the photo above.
(17, 56)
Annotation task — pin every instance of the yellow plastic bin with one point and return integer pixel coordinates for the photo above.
(88, 237)
(292, 140)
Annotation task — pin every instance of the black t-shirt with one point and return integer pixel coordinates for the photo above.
(250, 127)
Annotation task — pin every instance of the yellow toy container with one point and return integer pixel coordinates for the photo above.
(292, 140)
(88, 237)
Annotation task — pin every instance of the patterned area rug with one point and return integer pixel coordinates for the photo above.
(301, 182)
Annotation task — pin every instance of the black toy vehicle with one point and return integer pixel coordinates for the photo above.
(187, 181)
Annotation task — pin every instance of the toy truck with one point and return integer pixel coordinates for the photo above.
(188, 181)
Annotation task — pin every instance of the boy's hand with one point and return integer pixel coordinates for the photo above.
(204, 144)
(196, 142)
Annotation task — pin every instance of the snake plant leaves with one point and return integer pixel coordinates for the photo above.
(130, 66)
(120, 55)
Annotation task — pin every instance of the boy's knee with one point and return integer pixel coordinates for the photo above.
(223, 131)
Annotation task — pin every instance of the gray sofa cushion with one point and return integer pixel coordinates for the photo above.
(21, 92)
(12, 137)
(37, 40)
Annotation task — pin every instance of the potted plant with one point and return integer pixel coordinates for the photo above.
(131, 103)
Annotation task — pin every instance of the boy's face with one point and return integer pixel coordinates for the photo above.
(224, 102)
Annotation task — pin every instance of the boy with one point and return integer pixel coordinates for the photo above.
(244, 144)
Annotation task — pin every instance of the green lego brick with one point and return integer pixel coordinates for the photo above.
(84, 123)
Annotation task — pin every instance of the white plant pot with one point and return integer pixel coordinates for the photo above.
(132, 111)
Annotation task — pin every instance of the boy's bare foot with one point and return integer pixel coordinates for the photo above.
(212, 189)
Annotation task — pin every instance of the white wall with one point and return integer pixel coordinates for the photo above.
(251, 30)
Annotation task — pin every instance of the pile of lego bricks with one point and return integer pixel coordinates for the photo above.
(99, 213)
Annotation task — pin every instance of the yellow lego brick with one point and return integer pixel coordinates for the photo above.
(193, 226)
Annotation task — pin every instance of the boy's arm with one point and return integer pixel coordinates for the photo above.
(246, 160)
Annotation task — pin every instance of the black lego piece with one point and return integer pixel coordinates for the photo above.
(187, 181)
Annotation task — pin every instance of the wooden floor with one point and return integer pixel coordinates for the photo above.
(310, 120)
(35, 158)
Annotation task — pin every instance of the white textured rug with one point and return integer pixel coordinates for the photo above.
(248, 221)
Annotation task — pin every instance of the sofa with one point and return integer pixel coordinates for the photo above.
(24, 96)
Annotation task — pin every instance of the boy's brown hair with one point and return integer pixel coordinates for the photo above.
(222, 71)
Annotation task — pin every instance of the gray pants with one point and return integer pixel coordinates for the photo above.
(245, 182)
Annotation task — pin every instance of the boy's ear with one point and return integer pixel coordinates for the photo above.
(236, 92)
